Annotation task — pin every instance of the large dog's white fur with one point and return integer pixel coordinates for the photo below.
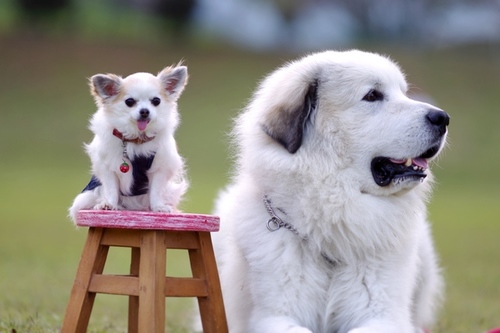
(354, 255)
(142, 108)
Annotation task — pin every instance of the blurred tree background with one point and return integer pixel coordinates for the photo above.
(449, 49)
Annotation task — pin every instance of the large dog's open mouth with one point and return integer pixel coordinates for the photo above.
(386, 170)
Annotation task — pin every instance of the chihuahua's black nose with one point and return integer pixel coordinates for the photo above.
(144, 113)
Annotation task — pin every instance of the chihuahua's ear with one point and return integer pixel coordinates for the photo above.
(105, 86)
(174, 80)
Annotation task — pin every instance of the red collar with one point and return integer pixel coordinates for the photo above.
(143, 138)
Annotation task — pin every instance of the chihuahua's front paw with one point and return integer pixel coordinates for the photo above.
(162, 208)
(298, 329)
(105, 206)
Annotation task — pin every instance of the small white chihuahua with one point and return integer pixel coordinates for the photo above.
(134, 156)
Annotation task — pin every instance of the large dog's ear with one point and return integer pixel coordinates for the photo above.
(287, 124)
(174, 80)
(103, 86)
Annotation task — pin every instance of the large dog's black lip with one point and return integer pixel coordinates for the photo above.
(385, 170)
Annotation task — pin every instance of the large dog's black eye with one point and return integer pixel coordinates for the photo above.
(155, 101)
(373, 96)
(130, 102)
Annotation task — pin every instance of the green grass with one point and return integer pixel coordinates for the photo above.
(45, 106)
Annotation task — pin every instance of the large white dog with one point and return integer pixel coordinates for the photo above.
(324, 227)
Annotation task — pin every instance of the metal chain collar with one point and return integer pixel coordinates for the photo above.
(275, 223)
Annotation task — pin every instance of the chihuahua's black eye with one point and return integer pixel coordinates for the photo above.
(130, 102)
(155, 101)
(373, 96)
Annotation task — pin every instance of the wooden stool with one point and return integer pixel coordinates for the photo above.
(148, 234)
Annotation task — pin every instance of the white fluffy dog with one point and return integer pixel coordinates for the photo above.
(134, 156)
(324, 227)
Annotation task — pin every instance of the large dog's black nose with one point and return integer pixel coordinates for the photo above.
(144, 113)
(439, 119)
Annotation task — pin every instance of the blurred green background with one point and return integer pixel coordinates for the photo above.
(45, 60)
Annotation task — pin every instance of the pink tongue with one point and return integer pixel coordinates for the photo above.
(421, 162)
(393, 160)
(142, 124)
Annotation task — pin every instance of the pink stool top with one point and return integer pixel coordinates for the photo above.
(127, 219)
(495, 330)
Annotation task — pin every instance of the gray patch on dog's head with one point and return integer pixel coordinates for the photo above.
(287, 124)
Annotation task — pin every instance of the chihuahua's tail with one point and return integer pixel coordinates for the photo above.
(176, 190)
(84, 200)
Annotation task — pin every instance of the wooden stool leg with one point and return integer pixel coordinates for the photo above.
(81, 300)
(133, 301)
(153, 262)
(203, 266)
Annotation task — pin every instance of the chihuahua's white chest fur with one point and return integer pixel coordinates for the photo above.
(135, 163)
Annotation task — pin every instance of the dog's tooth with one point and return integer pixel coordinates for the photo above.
(415, 168)
(408, 162)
